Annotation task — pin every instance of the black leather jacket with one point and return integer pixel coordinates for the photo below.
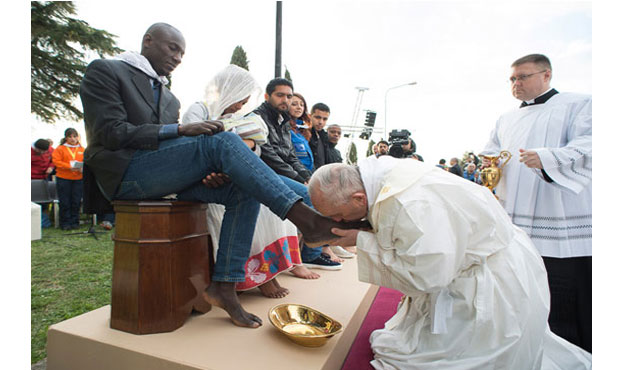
(332, 154)
(278, 153)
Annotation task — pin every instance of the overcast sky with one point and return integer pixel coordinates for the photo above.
(459, 53)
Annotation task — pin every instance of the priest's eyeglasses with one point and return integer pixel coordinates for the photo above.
(524, 77)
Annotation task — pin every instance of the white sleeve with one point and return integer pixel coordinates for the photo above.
(570, 166)
(426, 249)
(196, 112)
(492, 148)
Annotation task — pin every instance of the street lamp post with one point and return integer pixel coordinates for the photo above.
(385, 106)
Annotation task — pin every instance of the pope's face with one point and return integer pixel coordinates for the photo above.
(530, 81)
(353, 210)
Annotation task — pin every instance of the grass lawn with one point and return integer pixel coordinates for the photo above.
(70, 275)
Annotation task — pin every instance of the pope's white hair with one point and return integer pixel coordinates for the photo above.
(336, 182)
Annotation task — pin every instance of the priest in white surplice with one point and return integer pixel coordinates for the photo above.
(476, 294)
(547, 188)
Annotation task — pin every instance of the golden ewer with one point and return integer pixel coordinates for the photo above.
(490, 176)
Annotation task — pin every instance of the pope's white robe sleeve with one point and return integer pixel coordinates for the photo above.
(570, 166)
(422, 252)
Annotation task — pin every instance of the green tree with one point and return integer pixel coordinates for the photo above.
(369, 151)
(239, 58)
(57, 65)
(352, 154)
(287, 74)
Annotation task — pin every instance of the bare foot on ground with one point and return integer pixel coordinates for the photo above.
(224, 296)
(272, 289)
(303, 272)
(332, 256)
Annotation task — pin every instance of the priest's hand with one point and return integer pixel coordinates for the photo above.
(348, 238)
(486, 162)
(200, 128)
(530, 158)
(215, 180)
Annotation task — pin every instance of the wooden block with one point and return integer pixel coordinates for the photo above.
(163, 258)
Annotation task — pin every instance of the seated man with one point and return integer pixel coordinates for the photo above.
(137, 150)
(476, 294)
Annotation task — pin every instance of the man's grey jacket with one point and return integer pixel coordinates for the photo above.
(120, 117)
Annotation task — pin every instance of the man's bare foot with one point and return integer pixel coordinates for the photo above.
(332, 255)
(224, 296)
(303, 272)
(272, 289)
(351, 249)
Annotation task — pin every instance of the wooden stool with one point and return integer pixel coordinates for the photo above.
(163, 259)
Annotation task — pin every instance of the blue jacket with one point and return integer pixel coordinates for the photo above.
(302, 150)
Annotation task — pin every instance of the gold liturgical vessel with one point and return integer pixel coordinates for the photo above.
(490, 176)
(304, 325)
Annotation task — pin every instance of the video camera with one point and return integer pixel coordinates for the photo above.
(397, 139)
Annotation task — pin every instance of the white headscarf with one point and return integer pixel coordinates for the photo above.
(139, 61)
(229, 86)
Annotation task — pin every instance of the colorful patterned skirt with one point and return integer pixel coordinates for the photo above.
(275, 246)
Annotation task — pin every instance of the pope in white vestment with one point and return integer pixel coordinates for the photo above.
(476, 293)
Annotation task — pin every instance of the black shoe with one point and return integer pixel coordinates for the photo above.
(323, 262)
(75, 227)
(65, 228)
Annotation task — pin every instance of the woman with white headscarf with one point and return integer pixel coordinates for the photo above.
(275, 246)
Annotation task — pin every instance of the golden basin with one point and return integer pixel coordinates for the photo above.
(304, 325)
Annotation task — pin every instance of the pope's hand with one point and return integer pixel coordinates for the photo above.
(200, 128)
(215, 180)
(530, 158)
(348, 238)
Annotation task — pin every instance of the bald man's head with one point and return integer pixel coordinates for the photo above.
(164, 46)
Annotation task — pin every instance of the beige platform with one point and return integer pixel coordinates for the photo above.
(211, 341)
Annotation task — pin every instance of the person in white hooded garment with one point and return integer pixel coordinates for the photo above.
(475, 287)
(275, 244)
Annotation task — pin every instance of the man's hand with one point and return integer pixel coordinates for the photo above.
(348, 237)
(200, 128)
(486, 162)
(530, 158)
(49, 170)
(250, 143)
(215, 180)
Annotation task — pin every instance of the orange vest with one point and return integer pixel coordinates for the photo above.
(62, 157)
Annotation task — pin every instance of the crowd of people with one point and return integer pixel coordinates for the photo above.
(280, 200)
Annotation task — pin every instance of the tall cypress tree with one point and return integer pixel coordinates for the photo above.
(287, 74)
(239, 58)
(56, 65)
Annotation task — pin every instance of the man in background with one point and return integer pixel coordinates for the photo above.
(548, 192)
(41, 165)
(334, 133)
(318, 140)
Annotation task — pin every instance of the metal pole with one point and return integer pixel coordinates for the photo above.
(278, 39)
(385, 132)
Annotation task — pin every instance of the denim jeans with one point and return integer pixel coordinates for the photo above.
(69, 199)
(179, 165)
(307, 254)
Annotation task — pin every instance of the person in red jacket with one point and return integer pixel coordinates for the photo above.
(68, 158)
(41, 165)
